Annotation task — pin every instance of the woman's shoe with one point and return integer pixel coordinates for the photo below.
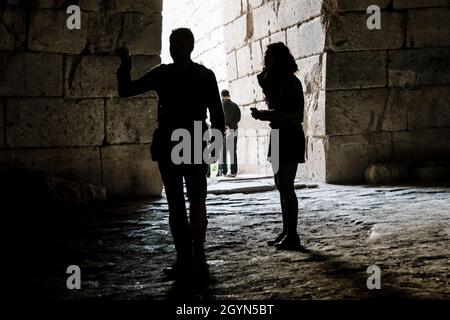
(289, 243)
(277, 239)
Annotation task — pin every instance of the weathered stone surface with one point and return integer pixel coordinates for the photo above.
(421, 145)
(235, 34)
(48, 32)
(54, 122)
(12, 28)
(387, 173)
(315, 158)
(244, 90)
(353, 70)
(78, 164)
(109, 30)
(243, 58)
(419, 67)
(427, 107)
(35, 4)
(257, 56)
(349, 32)
(128, 170)
(428, 27)
(347, 157)
(403, 4)
(265, 21)
(353, 5)
(232, 10)
(311, 75)
(433, 171)
(130, 120)
(142, 6)
(2, 123)
(307, 39)
(231, 66)
(73, 193)
(31, 74)
(363, 111)
(95, 76)
(292, 12)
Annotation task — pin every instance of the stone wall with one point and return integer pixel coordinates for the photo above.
(59, 107)
(371, 95)
(205, 19)
(250, 25)
(387, 95)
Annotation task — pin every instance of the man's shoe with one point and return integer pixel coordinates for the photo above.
(232, 175)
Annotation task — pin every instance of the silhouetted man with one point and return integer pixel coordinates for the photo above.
(173, 84)
(232, 118)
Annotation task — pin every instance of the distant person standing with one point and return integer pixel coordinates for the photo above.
(232, 118)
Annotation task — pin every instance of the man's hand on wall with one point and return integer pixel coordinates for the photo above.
(123, 53)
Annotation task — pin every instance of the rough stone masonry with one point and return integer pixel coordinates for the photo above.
(371, 95)
(60, 111)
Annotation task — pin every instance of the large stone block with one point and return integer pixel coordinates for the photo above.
(141, 34)
(248, 125)
(12, 28)
(36, 4)
(354, 5)
(130, 120)
(428, 107)
(142, 6)
(32, 122)
(257, 56)
(315, 158)
(265, 21)
(403, 4)
(311, 75)
(95, 76)
(352, 70)
(364, 111)
(421, 145)
(48, 32)
(349, 32)
(428, 27)
(244, 90)
(244, 65)
(31, 74)
(235, 34)
(78, 164)
(419, 67)
(108, 30)
(306, 39)
(387, 173)
(293, 12)
(347, 157)
(231, 66)
(128, 171)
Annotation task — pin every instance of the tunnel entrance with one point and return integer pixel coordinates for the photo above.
(371, 96)
(231, 38)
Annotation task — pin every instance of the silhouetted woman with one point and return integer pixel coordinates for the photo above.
(284, 96)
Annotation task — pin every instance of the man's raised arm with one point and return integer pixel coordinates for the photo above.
(128, 87)
(214, 102)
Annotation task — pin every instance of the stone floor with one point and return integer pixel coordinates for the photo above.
(404, 230)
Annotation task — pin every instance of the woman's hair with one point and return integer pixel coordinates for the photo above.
(280, 58)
